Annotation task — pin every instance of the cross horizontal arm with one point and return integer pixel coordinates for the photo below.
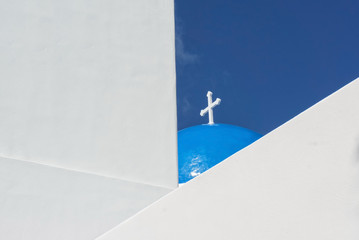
(203, 111)
(217, 102)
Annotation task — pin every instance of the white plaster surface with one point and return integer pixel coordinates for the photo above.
(90, 86)
(41, 202)
(300, 181)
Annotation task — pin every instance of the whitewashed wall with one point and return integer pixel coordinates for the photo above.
(39, 202)
(90, 85)
(301, 181)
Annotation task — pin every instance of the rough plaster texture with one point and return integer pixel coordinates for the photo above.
(300, 181)
(42, 203)
(90, 86)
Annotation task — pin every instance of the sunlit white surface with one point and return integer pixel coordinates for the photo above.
(300, 181)
(42, 203)
(90, 86)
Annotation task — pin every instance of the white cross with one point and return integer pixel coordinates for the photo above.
(210, 107)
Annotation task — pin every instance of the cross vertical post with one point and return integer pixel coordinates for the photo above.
(210, 110)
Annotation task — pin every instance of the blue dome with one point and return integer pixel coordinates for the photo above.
(203, 146)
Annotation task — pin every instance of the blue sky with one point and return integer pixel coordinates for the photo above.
(267, 60)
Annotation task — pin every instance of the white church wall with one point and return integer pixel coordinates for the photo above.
(300, 181)
(90, 86)
(39, 202)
